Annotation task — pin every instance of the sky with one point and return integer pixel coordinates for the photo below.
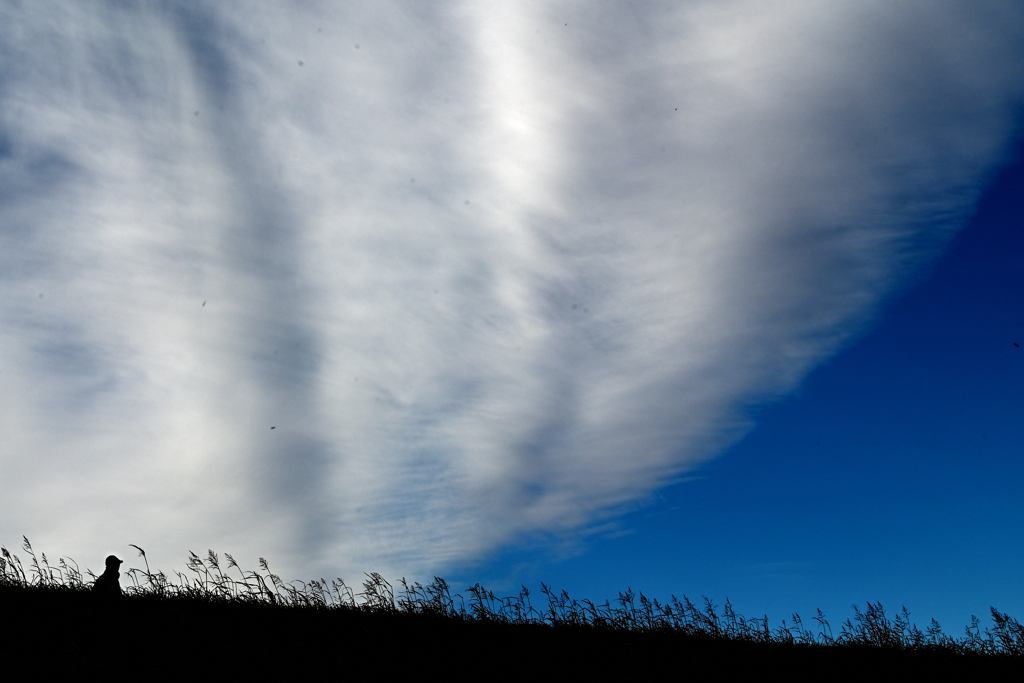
(705, 298)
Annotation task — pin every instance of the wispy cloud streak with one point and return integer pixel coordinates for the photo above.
(388, 286)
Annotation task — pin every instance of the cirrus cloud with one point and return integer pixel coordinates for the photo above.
(389, 286)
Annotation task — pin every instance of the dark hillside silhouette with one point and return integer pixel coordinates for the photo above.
(259, 626)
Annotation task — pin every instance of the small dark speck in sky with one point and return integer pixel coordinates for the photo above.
(273, 427)
(574, 306)
(467, 202)
(204, 303)
(412, 180)
(40, 296)
(195, 113)
(300, 62)
(319, 30)
(357, 46)
(1014, 343)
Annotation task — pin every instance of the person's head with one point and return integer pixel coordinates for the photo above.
(113, 563)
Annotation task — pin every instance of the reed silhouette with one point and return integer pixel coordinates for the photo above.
(252, 622)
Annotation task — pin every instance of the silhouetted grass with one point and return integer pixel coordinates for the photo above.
(219, 612)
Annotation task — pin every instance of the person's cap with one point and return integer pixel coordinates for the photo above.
(112, 561)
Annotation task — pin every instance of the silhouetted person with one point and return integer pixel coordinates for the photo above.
(107, 585)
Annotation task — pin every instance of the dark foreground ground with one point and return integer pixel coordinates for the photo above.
(68, 631)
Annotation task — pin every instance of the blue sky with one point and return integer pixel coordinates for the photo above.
(893, 474)
(704, 298)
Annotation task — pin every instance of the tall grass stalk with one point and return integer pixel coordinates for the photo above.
(211, 580)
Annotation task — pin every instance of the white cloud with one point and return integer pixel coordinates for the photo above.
(485, 271)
